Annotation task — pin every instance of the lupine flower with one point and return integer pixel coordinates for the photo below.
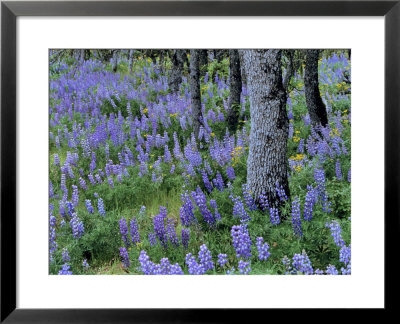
(91, 179)
(219, 182)
(134, 231)
(319, 272)
(206, 181)
(201, 202)
(338, 171)
(77, 226)
(75, 195)
(172, 169)
(159, 226)
(194, 268)
(171, 232)
(281, 192)
(263, 253)
(52, 237)
(100, 207)
(222, 259)
(98, 179)
(125, 257)
(248, 198)
(311, 199)
(89, 206)
(186, 211)
(65, 255)
(241, 241)
(300, 149)
(123, 228)
(82, 183)
(331, 270)
(336, 233)
(274, 215)
(56, 159)
(230, 172)
(244, 267)
(213, 205)
(205, 258)
(263, 199)
(296, 220)
(345, 254)
(111, 182)
(65, 270)
(319, 177)
(349, 176)
(152, 239)
(146, 265)
(302, 264)
(185, 237)
(239, 211)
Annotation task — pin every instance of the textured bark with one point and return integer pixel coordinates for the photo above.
(115, 59)
(175, 77)
(235, 87)
(195, 90)
(242, 68)
(315, 105)
(203, 61)
(267, 161)
(130, 59)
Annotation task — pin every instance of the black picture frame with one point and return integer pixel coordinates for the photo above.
(10, 10)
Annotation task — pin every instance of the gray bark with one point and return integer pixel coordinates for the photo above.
(267, 161)
(175, 77)
(115, 59)
(195, 90)
(130, 59)
(82, 55)
(203, 61)
(315, 105)
(242, 69)
(235, 87)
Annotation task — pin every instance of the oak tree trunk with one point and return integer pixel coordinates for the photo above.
(315, 105)
(195, 90)
(235, 87)
(267, 161)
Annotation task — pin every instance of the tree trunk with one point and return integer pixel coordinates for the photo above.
(242, 68)
(115, 59)
(195, 90)
(267, 161)
(175, 77)
(130, 59)
(82, 55)
(315, 105)
(235, 87)
(203, 61)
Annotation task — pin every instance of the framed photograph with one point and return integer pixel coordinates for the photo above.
(163, 158)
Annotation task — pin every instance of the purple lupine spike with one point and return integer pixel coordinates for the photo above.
(296, 220)
(134, 231)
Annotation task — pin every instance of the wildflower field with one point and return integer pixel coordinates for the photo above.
(133, 190)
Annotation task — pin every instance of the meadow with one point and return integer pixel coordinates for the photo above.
(133, 191)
